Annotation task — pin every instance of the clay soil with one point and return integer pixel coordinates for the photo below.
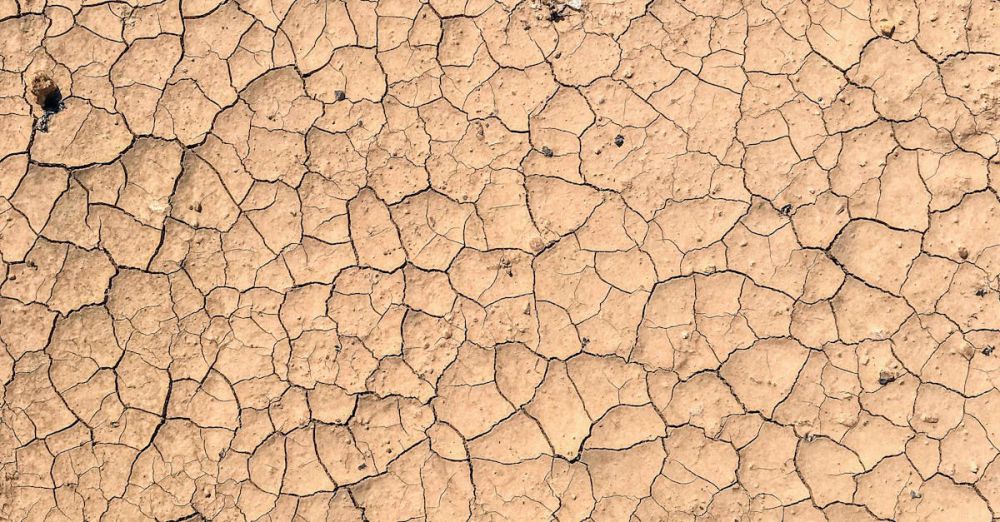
(499, 260)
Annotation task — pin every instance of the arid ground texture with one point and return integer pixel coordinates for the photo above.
(499, 260)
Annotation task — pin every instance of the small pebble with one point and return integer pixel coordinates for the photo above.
(886, 27)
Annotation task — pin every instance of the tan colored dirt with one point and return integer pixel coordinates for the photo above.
(602, 260)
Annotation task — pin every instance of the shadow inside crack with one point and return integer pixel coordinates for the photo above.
(47, 94)
(48, 97)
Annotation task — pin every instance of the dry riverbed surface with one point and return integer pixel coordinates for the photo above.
(399, 260)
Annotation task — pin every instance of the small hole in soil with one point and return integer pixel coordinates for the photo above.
(47, 94)
(53, 101)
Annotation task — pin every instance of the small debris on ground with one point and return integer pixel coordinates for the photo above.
(557, 10)
(886, 27)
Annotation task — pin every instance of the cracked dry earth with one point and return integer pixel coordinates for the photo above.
(605, 260)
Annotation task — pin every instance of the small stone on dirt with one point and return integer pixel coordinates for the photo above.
(886, 27)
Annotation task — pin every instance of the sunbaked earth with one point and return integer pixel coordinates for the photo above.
(602, 260)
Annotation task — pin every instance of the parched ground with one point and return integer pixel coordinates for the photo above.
(398, 260)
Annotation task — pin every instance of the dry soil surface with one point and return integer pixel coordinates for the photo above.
(402, 260)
